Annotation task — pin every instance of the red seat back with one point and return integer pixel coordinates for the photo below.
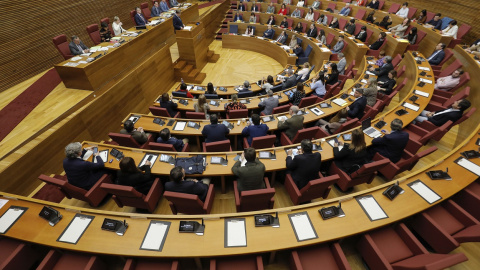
(124, 140)
(307, 101)
(349, 124)
(462, 30)
(281, 109)
(157, 111)
(306, 133)
(329, 19)
(465, 116)
(184, 203)
(125, 195)
(132, 16)
(366, 173)
(450, 69)
(369, 34)
(94, 33)
(61, 44)
(332, 6)
(221, 146)
(349, 69)
(401, 71)
(107, 21)
(360, 14)
(330, 38)
(430, 16)
(411, 12)
(460, 95)
(380, 4)
(242, 113)
(145, 10)
(448, 54)
(290, 22)
(317, 188)
(341, 24)
(66, 188)
(161, 147)
(396, 60)
(195, 115)
(253, 200)
(394, 8)
(266, 141)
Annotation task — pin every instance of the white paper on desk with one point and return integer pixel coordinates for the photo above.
(339, 101)
(363, 81)
(71, 64)
(421, 93)
(360, 44)
(88, 154)
(82, 62)
(3, 202)
(189, 87)
(324, 49)
(425, 81)
(351, 38)
(187, 28)
(236, 233)
(411, 106)
(9, 217)
(332, 143)
(317, 111)
(103, 49)
(373, 209)
(370, 73)
(155, 235)
(76, 58)
(75, 230)
(302, 226)
(103, 155)
(467, 164)
(153, 159)
(372, 62)
(179, 126)
(425, 192)
(282, 118)
(424, 68)
(154, 22)
(285, 47)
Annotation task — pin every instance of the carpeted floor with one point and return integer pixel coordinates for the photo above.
(12, 114)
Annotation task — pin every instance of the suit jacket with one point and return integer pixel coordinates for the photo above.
(347, 160)
(139, 181)
(373, 5)
(341, 66)
(391, 145)
(269, 33)
(291, 126)
(189, 187)
(272, 21)
(355, 110)
(215, 133)
(241, 7)
(177, 22)
(74, 49)
(334, 24)
(437, 57)
(312, 32)
(441, 119)
(290, 82)
(269, 103)
(298, 51)
(177, 143)
(338, 47)
(284, 24)
(304, 168)
(296, 13)
(377, 44)
(173, 3)
(362, 36)
(240, 17)
(156, 11)
(254, 8)
(139, 137)
(253, 131)
(163, 6)
(382, 72)
(250, 176)
(139, 19)
(331, 78)
(170, 106)
(350, 28)
(83, 174)
(282, 39)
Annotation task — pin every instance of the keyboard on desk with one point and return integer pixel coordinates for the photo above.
(372, 132)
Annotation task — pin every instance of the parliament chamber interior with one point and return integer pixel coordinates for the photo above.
(274, 134)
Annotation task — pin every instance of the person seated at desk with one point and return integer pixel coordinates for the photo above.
(299, 27)
(474, 49)
(381, 59)
(316, 5)
(241, 7)
(335, 122)
(422, 17)
(81, 173)
(386, 87)
(356, 109)
(249, 31)
(332, 78)
(451, 30)
(312, 32)
(290, 79)
(448, 82)
(438, 55)
(305, 166)
(296, 13)
(283, 23)
(271, 20)
(266, 84)
(253, 18)
(345, 11)
(215, 132)
(371, 17)
(334, 24)
(304, 71)
(282, 38)
(435, 23)
(352, 156)
(249, 176)
(177, 21)
(210, 89)
(310, 15)
(131, 175)
(370, 91)
(296, 97)
(254, 129)
(234, 105)
(169, 105)
(166, 138)
(155, 10)
(202, 106)
(411, 36)
(342, 64)
(287, 2)
(362, 35)
(338, 47)
(254, 7)
(350, 27)
(293, 42)
(377, 44)
(403, 11)
(77, 47)
(184, 88)
(238, 17)
(293, 124)
(373, 4)
(399, 29)
(139, 18)
(385, 23)
(271, 8)
(138, 134)
(283, 10)
(322, 19)
(163, 6)
(268, 103)
(441, 117)
(392, 144)
(382, 72)
(117, 26)
(178, 183)
(269, 33)
(173, 3)
(318, 85)
(245, 89)
(105, 34)
(322, 38)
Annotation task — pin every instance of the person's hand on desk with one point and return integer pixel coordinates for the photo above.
(289, 152)
(148, 163)
(140, 129)
(338, 144)
(86, 50)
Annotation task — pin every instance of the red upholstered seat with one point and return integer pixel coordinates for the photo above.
(331, 257)
(448, 55)
(332, 6)
(307, 101)
(266, 141)
(128, 196)
(360, 14)
(94, 33)
(422, 135)
(306, 133)
(376, 53)
(190, 204)
(167, 147)
(195, 115)
(16, 254)
(469, 199)
(107, 21)
(93, 197)
(253, 200)
(221, 146)
(145, 10)
(314, 189)
(132, 16)
(420, 36)
(394, 8)
(147, 264)
(72, 261)
(242, 113)
(158, 111)
(365, 174)
(279, 109)
(341, 24)
(438, 103)
(237, 263)
(462, 30)
(449, 69)
(61, 44)
(128, 141)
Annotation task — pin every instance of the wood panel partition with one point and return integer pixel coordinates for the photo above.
(104, 114)
(212, 19)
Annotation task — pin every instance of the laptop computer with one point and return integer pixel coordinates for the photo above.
(369, 130)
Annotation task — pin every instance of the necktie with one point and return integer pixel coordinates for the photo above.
(433, 55)
(80, 48)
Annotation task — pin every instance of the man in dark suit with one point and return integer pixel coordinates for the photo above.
(138, 134)
(441, 117)
(282, 38)
(80, 173)
(377, 44)
(155, 10)
(289, 81)
(139, 19)
(293, 124)
(355, 110)
(250, 175)
(312, 32)
(241, 7)
(269, 33)
(169, 105)
(305, 166)
(215, 132)
(164, 6)
(166, 138)
(382, 72)
(392, 144)
(254, 129)
(298, 50)
(255, 7)
(177, 22)
(191, 186)
(77, 47)
(438, 55)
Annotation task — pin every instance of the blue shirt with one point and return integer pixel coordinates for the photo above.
(253, 131)
(163, 6)
(345, 11)
(319, 88)
(215, 132)
(177, 144)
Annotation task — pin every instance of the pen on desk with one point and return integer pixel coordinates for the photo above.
(446, 170)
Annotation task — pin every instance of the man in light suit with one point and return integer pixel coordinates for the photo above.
(438, 55)
(155, 10)
(355, 110)
(290, 81)
(139, 19)
(346, 10)
(339, 46)
(296, 13)
(269, 103)
(341, 64)
(316, 4)
(77, 47)
(293, 124)
(164, 6)
(392, 144)
(269, 33)
(282, 38)
(177, 22)
(441, 117)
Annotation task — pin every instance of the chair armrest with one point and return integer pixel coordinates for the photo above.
(442, 93)
(339, 256)
(95, 264)
(50, 260)
(434, 107)
(410, 240)
(207, 206)
(177, 115)
(130, 264)
(245, 143)
(284, 140)
(436, 236)
(427, 125)
(417, 130)
(96, 193)
(236, 193)
(439, 99)
(295, 263)
(186, 148)
(213, 264)
(372, 254)
(155, 191)
(321, 133)
(204, 146)
(22, 257)
(267, 182)
(175, 265)
(460, 214)
(259, 262)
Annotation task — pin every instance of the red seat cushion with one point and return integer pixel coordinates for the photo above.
(391, 245)
(469, 234)
(445, 220)
(72, 261)
(311, 257)
(475, 188)
(7, 247)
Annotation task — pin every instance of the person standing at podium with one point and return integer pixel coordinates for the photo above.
(177, 22)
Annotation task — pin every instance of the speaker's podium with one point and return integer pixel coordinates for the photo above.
(193, 51)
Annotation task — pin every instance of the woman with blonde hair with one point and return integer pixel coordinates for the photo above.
(370, 91)
(304, 71)
(202, 106)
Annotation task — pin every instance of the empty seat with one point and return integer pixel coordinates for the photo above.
(16, 254)
(331, 257)
(308, 101)
(158, 111)
(422, 135)
(128, 141)
(61, 44)
(279, 109)
(147, 263)
(167, 147)
(195, 115)
(94, 33)
(253, 200)
(237, 262)
(190, 204)
(242, 113)
(306, 133)
(145, 10)
(314, 189)
(469, 199)
(365, 174)
(220, 146)
(69, 260)
(261, 142)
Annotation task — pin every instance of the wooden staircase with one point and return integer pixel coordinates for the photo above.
(212, 57)
(188, 72)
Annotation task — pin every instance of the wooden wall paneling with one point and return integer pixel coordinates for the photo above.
(212, 19)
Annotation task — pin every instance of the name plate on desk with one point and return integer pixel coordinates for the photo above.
(156, 234)
(302, 226)
(75, 229)
(10, 217)
(235, 232)
(424, 191)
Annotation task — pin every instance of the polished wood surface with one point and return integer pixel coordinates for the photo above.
(212, 18)
(193, 45)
